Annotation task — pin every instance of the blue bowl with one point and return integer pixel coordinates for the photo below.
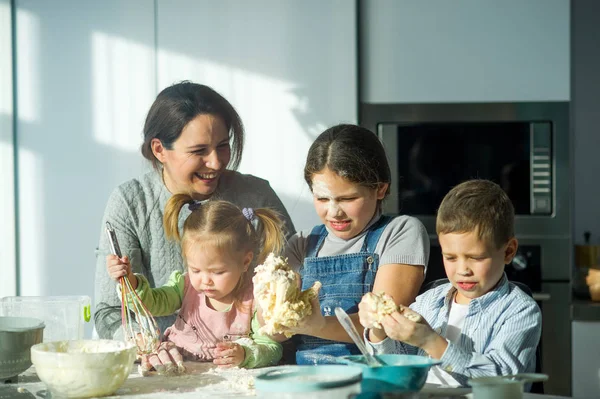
(403, 373)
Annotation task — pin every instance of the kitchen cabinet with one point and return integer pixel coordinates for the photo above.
(464, 51)
(289, 68)
(586, 356)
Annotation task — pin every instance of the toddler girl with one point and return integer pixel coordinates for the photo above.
(214, 297)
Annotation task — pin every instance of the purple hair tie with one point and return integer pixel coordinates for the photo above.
(248, 214)
(194, 205)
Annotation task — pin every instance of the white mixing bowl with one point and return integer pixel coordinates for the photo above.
(83, 368)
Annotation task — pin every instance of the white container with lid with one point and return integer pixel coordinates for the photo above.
(501, 387)
(64, 316)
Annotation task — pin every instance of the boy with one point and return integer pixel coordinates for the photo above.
(479, 324)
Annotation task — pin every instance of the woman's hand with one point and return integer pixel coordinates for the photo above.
(166, 360)
(420, 334)
(229, 354)
(120, 267)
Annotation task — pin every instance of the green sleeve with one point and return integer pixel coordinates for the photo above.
(263, 351)
(165, 300)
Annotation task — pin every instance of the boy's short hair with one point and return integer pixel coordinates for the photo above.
(481, 206)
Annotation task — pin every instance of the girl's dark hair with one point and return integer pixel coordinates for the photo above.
(352, 152)
(179, 104)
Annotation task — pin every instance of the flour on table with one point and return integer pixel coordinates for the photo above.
(201, 380)
(278, 293)
(236, 379)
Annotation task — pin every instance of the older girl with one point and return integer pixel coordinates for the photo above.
(357, 249)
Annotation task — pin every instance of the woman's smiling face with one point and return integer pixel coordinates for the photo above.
(344, 207)
(198, 157)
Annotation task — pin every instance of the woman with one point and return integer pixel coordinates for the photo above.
(191, 136)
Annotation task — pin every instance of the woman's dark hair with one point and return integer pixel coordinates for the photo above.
(179, 104)
(352, 152)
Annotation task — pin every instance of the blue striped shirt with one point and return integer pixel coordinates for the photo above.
(499, 337)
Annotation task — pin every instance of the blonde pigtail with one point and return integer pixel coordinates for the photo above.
(270, 234)
(171, 216)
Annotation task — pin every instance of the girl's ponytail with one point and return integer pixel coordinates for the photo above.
(171, 216)
(269, 233)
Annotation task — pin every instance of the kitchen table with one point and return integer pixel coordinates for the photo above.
(202, 380)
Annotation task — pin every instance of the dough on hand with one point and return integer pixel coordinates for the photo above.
(278, 294)
(383, 305)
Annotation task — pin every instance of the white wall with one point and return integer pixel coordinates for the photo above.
(8, 269)
(87, 75)
(585, 117)
(289, 68)
(85, 80)
(465, 50)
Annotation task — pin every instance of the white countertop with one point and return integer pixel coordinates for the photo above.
(202, 380)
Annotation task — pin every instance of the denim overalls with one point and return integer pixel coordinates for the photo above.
(345, 278)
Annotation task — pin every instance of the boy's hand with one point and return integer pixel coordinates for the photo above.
(229, 354)
(400, 327)
(367, 315)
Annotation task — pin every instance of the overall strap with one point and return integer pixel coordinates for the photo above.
(315, 240)
(374, 233)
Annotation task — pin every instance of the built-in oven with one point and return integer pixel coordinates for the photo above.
(525, 148)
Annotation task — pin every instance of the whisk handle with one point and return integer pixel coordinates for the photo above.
(112, 239)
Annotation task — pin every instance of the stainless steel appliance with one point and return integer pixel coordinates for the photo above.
(524, 147)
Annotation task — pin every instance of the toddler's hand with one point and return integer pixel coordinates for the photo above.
(119, 267)
(229, 354)
(166, 360)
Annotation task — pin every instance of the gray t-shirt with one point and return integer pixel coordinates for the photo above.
(404, 240)
(135, 210)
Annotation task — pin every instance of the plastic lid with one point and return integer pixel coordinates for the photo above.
(307, 378)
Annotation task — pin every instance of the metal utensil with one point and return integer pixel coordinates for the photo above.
(346, 322)
(147, 338)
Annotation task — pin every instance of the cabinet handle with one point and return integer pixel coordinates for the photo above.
(541, 296)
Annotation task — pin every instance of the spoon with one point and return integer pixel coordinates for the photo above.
(346, 322)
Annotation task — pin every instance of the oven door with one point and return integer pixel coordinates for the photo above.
(427, 159)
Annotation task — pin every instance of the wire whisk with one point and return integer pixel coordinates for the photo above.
(147, 339)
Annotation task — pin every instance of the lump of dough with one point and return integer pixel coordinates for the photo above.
(278, 294)
(383, 305)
